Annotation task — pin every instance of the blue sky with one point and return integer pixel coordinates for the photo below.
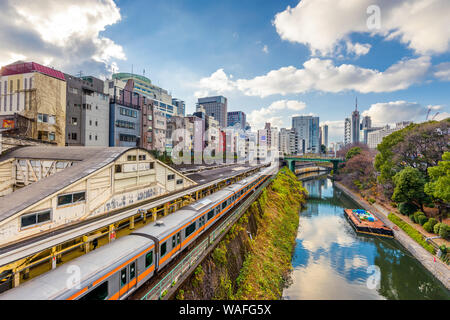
(272, 59)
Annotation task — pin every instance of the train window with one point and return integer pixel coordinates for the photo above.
(190, 230)
(174, 239)
(224, 204)
(132, 270)
(149, 259)
(163, 249)
(99, 293)
(178, 238)
(123, 277)
(210, 215)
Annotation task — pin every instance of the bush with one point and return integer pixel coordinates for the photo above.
(413, 233)
(372, 200)
(443, 249)
(433, 222)
(422, 220)
(407, 208)
(436, 228)
(444, 231)
(428, 227)
(412, 218)
(394, 205)
(417, 215)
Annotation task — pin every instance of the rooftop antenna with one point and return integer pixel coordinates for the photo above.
(356, 104)
(143, 73)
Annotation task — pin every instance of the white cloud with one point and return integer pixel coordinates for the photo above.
(422, 25)
(257, 118)
(320, 75)
(442, 71)
(396, 111)
(323, 75)
(358, 49)
(265, 49)
(63, 34)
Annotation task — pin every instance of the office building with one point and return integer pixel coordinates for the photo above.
(181, 106)
(87, 112)
(376, 137)
(237, 117)
(307, 129)
(38, 95)
(216, 107)
(324, 135)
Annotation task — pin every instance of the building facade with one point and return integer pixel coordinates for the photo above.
(307, 129)
(376, 137)
(37, 93)
(216, 107)
(87, 112)
(236, 117)
(348, 131)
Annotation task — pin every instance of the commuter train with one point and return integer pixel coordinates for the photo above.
(114, 271)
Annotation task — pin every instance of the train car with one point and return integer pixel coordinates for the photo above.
(109, 272)
(114, 271)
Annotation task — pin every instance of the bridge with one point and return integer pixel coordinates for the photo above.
(291, 160)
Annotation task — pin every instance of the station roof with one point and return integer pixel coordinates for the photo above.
(90, 160)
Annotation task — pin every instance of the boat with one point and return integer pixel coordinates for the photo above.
(364, 221)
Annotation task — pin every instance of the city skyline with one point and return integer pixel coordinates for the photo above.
(395, 75)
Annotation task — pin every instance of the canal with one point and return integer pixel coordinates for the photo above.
(331, 261)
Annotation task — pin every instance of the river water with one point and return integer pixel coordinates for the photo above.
(331, 261)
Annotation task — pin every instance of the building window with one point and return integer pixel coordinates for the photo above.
(142, 157)
(180, 181)
(51, 136)
(74, 121)
(171, 177)
(33, 219)
(127, 138)
(118, 168)
(131, 158)
(72, 198)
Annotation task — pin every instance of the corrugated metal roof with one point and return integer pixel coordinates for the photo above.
(90, 159)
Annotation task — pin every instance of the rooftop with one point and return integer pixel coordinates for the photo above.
(21, 67)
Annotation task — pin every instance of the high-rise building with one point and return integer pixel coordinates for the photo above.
(356, 124)
(348, 131)
(307, 129)
(38, 95)
(181, 106)
(366, 123)
(324, 135)
(216, 107)
(87, 112)
(288, 141)
(236, 117)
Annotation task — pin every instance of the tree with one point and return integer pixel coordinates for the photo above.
(352, 152)
(439, 186)
(323, 149)
(409, 187)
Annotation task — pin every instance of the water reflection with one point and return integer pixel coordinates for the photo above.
(331, 261)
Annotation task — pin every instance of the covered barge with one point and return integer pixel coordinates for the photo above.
(365, 222)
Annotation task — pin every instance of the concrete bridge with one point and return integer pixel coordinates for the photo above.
(291, 160)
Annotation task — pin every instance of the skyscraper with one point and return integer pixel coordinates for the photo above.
(216, 107)
(307, 128)
(324, 135)
(348, 131)
(355, 124)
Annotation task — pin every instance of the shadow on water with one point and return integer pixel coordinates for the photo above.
(332, 261)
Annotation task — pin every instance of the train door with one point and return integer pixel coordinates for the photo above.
(127, 278)
(176, 242)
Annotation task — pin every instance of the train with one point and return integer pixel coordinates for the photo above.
(116, 270)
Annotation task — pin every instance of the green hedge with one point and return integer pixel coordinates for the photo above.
(413, 233)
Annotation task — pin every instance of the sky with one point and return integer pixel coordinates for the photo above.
(271, 59)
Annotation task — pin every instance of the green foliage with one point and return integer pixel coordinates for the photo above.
(413, 233)
(180, 295)
(417, 215)
(443, 249)
(409, 186)
(444, 231)
(407, 208)
(220, 255)
(352, 152)
(372, 200)
(436, 228)
(429, 226)
(422, 220)
(439, 185)
(198, 276)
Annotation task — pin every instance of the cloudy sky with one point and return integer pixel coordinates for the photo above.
(272, 59)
